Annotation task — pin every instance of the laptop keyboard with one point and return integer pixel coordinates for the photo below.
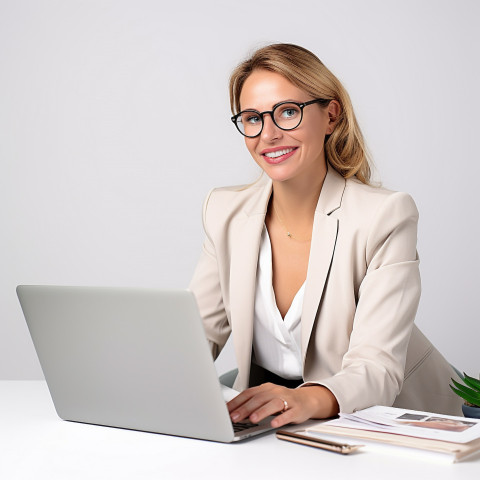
(241, 426)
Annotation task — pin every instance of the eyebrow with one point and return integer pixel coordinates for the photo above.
(276, 105)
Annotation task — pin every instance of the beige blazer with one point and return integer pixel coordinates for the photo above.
(361, 296)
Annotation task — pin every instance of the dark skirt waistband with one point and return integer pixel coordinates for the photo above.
(259, 375)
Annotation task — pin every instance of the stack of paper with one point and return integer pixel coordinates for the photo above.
(455, 437)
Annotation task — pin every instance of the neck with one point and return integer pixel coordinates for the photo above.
(296, 201)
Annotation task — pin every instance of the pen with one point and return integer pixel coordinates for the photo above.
(311, 441)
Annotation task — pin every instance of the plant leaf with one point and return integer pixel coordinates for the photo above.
(472, 382)
(466, 397)
(462, 387)
(467, 390)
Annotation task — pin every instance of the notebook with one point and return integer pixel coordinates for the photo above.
(130, 358)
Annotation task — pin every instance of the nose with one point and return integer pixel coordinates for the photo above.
(270, 130)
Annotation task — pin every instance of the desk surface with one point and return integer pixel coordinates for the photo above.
(36, 444)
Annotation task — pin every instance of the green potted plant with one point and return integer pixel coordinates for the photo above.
(470, 392)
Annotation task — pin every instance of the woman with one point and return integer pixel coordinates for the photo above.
(313, 271)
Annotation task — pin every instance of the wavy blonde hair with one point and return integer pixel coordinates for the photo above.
(345, 148)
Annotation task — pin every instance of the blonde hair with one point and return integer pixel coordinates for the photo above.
(345, 148)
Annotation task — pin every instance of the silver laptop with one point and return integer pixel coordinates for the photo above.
(131, 358)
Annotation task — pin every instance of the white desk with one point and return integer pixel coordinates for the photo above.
(36, 444)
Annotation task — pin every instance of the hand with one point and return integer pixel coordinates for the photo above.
(257, 403)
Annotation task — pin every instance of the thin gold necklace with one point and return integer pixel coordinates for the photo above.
(288, 233)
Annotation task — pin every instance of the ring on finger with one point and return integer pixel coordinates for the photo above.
(285, 405)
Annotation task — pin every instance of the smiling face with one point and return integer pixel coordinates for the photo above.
(287, 155)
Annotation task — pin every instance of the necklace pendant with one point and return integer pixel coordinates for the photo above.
(289, 235)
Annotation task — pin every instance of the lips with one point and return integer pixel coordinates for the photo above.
(277, 155)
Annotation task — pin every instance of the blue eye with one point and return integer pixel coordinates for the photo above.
(288, 113)
(251, 119)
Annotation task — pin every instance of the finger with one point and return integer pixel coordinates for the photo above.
(272, 407)
(246, 395)
(293, 415)
(240, 399)
(247, 408)
(284, 419)
(258, 407)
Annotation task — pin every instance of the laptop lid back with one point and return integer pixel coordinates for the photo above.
(130, 358)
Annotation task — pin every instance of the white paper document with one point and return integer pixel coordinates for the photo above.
(411, 423)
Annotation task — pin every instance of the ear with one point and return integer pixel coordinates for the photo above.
(334, 110)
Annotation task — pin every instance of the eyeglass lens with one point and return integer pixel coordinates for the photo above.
(286, 116)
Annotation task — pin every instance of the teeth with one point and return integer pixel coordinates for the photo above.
(279, 153)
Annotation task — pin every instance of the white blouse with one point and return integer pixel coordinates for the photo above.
(276, 341)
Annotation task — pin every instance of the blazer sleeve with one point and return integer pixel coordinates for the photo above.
(206, 286)
(372, 369)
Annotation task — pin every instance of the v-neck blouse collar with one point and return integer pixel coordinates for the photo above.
(276, 341)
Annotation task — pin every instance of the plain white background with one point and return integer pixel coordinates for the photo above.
(114, 124)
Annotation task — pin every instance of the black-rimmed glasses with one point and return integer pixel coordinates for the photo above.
(285, 115)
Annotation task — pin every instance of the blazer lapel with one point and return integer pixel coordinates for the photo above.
(244, 262)
(324, 238)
